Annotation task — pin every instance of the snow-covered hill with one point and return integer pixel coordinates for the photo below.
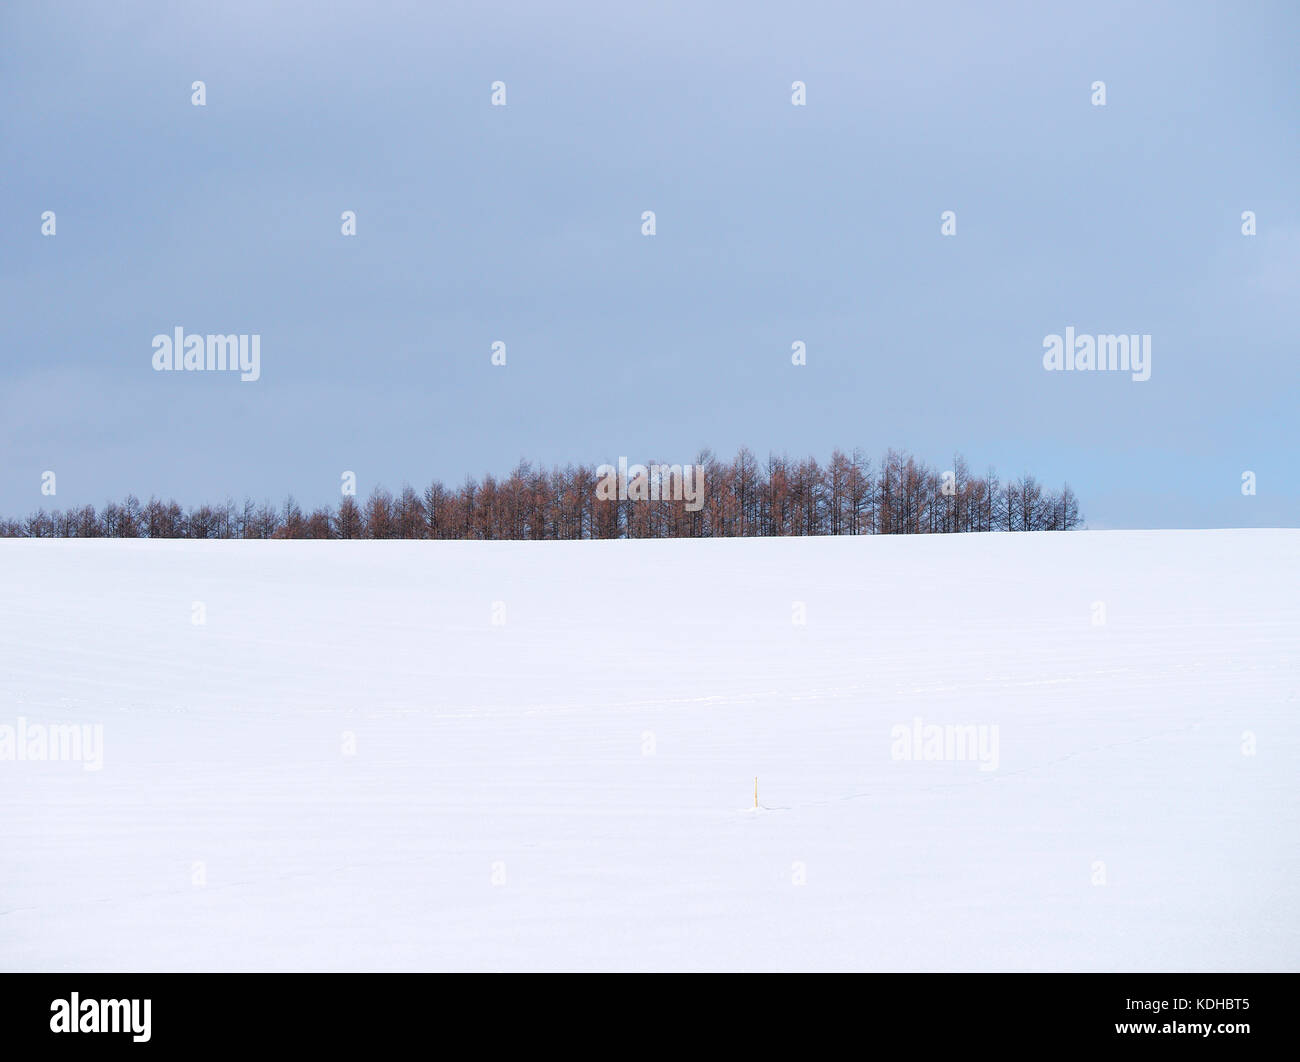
(542, 755)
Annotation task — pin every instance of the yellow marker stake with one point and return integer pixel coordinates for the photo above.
(755, 790)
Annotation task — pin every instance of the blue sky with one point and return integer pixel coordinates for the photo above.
(775, 223)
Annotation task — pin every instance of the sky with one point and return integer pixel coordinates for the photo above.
(774, 224)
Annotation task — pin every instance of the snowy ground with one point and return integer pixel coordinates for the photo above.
(573, 789)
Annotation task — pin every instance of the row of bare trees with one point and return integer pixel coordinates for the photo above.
(744, 497)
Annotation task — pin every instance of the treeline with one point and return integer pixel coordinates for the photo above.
(744, 497)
